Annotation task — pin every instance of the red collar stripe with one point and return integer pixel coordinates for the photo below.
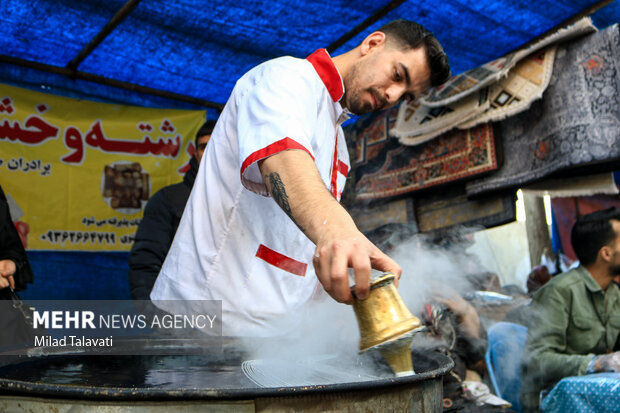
(328, 73)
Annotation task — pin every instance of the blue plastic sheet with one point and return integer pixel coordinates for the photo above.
(60, 275)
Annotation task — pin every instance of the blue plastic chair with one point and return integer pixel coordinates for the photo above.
(503, 359)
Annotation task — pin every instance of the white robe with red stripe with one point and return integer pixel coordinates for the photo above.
(234, 243)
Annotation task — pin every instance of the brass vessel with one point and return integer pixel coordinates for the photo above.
(397, 353)
(386, 324)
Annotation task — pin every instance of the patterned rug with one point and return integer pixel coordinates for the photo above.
(384, 168)
(468, 82)
(370, 136)
(417, 123)
(513, 94)
(492, 92)
(575, 124)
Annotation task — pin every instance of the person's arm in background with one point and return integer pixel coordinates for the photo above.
(471, 337)
(296, 186)
(607, 362)
(469, 321)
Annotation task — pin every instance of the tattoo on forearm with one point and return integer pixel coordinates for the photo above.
(278, 193)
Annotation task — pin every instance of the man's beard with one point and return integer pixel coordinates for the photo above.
(358, 107)
(614, 268)
(352, 95)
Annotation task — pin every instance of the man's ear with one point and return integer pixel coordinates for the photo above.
(606, 253)
(372, 42)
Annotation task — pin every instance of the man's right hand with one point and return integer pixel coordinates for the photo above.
(334, 256)
(608, 362)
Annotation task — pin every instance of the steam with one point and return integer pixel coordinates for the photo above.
(321, 349)
(429, 270)
(328, 332)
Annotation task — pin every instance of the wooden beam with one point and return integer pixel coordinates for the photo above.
(536, 228)
(109, 82)
(107, 29)
(365, 24)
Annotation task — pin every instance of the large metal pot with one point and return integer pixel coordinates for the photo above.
(198, 378)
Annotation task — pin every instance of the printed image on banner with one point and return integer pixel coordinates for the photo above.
(78, 173)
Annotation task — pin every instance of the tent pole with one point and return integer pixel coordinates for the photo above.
(538, 238)
(107, 29)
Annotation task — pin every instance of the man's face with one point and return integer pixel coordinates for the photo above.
(614, 264)
(384, 76)
(201, 146)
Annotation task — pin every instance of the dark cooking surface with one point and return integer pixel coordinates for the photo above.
(175, 376)
(160, 372)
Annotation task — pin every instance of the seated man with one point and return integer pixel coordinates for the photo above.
(577, 322)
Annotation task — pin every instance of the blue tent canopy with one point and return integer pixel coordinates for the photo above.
(189, 53)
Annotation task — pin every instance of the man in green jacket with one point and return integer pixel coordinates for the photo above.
(576, 317)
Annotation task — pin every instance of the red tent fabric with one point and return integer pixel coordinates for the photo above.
(565, 211)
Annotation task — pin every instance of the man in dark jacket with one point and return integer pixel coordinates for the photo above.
(15, 270)
(15, 274)
(159, 224)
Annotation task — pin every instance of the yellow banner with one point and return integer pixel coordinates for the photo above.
(79, 173)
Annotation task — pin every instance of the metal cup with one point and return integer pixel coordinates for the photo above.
(386, 324)
(397, 353)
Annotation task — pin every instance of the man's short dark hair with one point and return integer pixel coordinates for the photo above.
(411, 35)
(205, 129)
(591, 232)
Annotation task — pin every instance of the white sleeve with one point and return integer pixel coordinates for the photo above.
(277, 111)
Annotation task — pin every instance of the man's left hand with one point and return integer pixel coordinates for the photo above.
(7, 270)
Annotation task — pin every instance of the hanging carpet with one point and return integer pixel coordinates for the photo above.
(383, 168)
(513, 94)
(468, 82)
(417, 123)
(575, 125)
(516, 81)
